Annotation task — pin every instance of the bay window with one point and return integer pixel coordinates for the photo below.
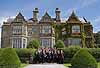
(17, 42)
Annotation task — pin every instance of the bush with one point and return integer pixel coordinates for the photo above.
(60, 44)
(24, 54)
(69, 53)
(34, 44)
(95, 52)
(9, 58)
(83, 59)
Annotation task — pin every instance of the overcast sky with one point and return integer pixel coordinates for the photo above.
(83, 8)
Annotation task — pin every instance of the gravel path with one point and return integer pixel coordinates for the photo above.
(45, 66)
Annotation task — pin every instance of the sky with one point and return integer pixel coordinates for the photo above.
(90, 9)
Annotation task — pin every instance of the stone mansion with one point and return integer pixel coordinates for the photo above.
(18, 32)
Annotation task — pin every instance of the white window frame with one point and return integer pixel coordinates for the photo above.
(75, 29)
(46, 29)
(17, 29)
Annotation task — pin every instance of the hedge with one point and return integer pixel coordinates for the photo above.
(24, 54)
(69, 53)
(9, 58)
(59, 44)
(83, 59)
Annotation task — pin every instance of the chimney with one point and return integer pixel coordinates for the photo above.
(57, 11)
(35, 14)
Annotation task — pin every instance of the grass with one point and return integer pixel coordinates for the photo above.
(23, 65)
(99, 65)
(68, 64)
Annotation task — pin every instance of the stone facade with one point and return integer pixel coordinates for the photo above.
(17, 33)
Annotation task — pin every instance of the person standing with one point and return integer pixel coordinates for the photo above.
(62, 56)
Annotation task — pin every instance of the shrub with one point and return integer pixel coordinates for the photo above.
(69, 53)
(24, 54)
(9, 58)
(95, 52)
(83, 59)
(34, 44)
(60, 44)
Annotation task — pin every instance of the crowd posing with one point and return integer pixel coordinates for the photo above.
(49, 55)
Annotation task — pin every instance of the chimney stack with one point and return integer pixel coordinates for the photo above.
(57, 11)
(35, 14)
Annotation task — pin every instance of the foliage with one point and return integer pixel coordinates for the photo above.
(9, 58)
(83, 59)
(23, 65)
(67, 65)
(24, 54)
(95, 52)
(97, 45)
(34, 44)
(59, 44)
(83, 39)
(69, 53)
(97, 37)
(57, 28)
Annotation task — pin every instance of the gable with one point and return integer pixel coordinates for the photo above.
(19, 18)
(46, 18)
(73, 17)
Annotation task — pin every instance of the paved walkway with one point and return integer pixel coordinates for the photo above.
(45, 66)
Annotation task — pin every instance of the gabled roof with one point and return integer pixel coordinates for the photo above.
(73, 17)
(19, 18)
(46, 18)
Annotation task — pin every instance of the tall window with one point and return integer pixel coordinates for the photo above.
(29, 31)
(17, 29)
(76, 29)
(24, 43)
(74, 41)
(35, 29)
(46, 29)
(45, 42)
(19, 20)
(17, 43)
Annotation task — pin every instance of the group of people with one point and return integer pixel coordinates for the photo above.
(49, 55)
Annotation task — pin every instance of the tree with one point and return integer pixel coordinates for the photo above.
(9, 58)
(57, 28)
(83, 59)
(97, 38)
(83, 39)
(59, 44)
(34, 44)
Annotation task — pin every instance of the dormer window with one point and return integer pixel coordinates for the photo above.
(76, 29)
(19, 20)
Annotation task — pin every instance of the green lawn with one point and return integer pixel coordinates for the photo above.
(67, 65)
(23, 65)
(99, 65)
(70, 65)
